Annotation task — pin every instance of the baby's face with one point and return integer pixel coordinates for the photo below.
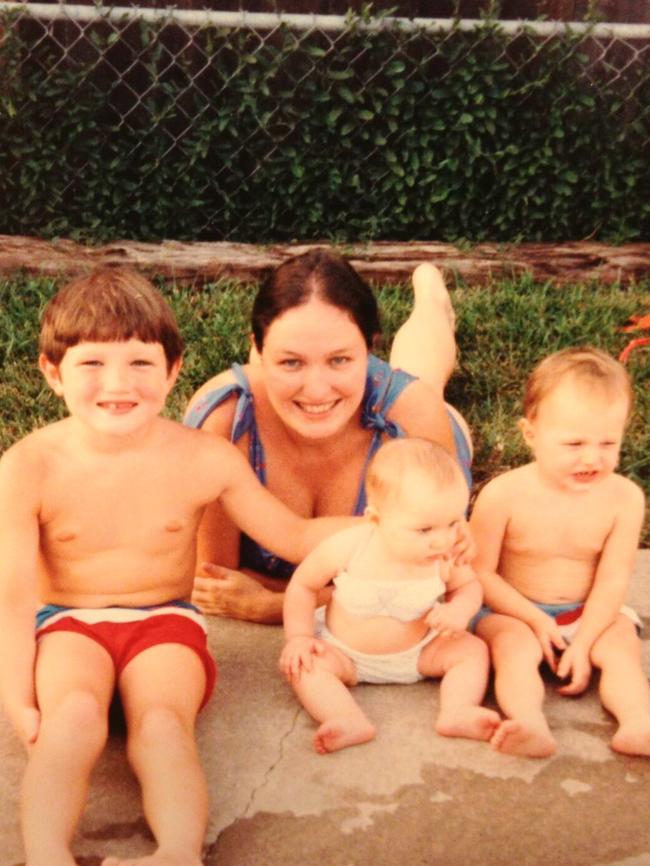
(576, 435)
(420, 524)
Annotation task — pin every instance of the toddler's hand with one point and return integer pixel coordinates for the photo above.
(298, 654)
(548, 634)
(446, 620)
(575, 666)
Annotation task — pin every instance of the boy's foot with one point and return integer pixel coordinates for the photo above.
(475, 723)
(529, 741)
(428, 285)
(633, 737)
(342, 731)
(159, 858)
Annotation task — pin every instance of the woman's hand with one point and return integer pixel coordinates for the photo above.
(230, 593)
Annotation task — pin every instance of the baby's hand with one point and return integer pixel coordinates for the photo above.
(298, 654)
(548, 634)
(575, 666)
(446, 620)
(464, 549)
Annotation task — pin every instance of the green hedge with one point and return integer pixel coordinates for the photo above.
(387, 134)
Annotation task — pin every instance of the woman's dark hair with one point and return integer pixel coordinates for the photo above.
(321, 274)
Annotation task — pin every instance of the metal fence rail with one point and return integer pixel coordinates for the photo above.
(193, 57)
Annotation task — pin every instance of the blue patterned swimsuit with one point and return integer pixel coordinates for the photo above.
(383, 387)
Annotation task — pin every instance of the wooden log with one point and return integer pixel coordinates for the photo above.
(380, 262)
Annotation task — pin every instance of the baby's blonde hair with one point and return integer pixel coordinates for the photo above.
(589, 368)
(399, 457)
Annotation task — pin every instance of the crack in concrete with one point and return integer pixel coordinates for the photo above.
(210, 849)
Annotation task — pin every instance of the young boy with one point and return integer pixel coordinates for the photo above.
(557, 540)
(98, 517)
(400, 604)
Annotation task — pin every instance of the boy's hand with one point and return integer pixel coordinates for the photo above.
(464, 549)
(446, 619)
(576, 667)
(298, 654)
(228, 592)
(548, 634)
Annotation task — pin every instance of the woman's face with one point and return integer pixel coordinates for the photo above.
(315, 360)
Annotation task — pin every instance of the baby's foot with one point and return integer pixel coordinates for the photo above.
(158, 858)
(428, 285)
(529, 740)
(342, 731)
(476, 723)
(633, 737)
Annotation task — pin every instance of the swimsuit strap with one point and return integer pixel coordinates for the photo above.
(243, 420)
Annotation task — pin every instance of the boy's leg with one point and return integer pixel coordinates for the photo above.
(324, 694)
(516, 656)
(624, 689)
(425, 345)
(162, 689)
(463, 662)
(74, 684)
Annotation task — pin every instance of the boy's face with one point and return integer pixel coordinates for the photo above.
(576, 435)
(115, 387)
(420, 524)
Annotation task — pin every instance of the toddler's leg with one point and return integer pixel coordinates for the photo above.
(516, 656)
(463, 663)
(425, 345)
(624, 688)
(74, 684)
(162, 690)
(324, 694)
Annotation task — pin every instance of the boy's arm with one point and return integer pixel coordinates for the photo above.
(608, 590)
(263, 517)
(489, 524)
(19, 544)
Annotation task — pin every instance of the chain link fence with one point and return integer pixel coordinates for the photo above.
(207, 105)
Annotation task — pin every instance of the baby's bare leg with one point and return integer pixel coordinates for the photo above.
(324, 694)
(425, 345)
(516, 656)
(74, 683)
(162, 690)
(463, 663)
(624, 688)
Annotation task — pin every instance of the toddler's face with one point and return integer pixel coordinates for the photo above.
(576, 435)
(420, 524)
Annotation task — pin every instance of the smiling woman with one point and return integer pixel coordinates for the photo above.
(312, 408)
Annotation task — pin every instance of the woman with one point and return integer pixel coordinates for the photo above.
(313, 406)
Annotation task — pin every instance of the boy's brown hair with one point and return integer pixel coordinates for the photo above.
(398, 457)
(108, 305)
(587, 366)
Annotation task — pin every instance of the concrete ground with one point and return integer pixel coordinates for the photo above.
(410, 798)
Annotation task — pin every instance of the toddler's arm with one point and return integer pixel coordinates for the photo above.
(301, 597)
(489, 522)
(462, 601)
(608, 590)
(19, 544)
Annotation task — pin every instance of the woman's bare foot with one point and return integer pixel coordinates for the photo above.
(158, 858)
(528, 740)
(633, 737)
(475, 723)
(429, 285)
(342, 731)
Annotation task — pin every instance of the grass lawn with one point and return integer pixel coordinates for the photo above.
(503, 330)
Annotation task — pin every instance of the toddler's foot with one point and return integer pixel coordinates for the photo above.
(633, 737)
(342, 731)
(475, 723)
(158, 858)
(527, 740)
(428, 286)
